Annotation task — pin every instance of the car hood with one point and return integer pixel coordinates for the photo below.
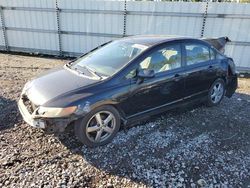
(54, 83)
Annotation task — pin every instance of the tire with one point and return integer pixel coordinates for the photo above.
(92, 130)
(216, 96)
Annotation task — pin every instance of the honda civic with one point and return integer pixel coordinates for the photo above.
(126, 80)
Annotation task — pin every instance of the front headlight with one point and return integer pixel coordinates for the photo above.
(51, 112)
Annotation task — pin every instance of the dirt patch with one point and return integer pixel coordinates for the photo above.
(182, 148)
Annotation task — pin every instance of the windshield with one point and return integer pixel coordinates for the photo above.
(110, 58)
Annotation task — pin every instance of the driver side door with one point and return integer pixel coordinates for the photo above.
(165, 88)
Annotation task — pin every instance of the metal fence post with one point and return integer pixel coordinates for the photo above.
(204, 20)
(59, 29)
(4, 29)
(125, 18)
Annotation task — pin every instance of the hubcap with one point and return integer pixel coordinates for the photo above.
(100, 126)
(217, 93)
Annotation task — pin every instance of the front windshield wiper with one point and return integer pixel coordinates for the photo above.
(89, 69)
(93, 72)
(69, 64)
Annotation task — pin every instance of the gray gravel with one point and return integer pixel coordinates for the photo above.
(190, 147)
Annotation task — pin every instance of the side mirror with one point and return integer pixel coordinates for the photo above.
(145, 73)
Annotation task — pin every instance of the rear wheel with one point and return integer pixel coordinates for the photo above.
(216, 92)
(98, 127)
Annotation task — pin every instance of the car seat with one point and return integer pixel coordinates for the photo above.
(173, 62)
(157, 61)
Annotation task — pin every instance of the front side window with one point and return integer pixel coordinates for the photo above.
(110, 58)
(164, 59)
(196, 53)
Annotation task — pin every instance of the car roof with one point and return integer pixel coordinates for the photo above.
(150, 40)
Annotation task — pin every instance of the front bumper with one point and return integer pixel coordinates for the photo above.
(28, 118)
(50, 125)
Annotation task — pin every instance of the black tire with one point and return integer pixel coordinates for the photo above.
(210, 100)
(82, 124)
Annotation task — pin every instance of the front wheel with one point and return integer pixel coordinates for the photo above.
(98, 127)
(216, 92)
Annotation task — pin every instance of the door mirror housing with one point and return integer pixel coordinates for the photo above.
(146, 73)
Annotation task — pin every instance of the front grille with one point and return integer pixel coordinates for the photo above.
(28, 104)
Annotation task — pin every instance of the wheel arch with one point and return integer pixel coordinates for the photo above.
(112, 103)
(219, 77)
(224, 78)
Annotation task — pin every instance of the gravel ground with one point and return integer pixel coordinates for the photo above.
(190, 147)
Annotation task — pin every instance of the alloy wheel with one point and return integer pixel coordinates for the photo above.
(100, 126)
(217, 93)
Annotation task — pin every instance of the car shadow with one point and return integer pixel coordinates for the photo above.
(9, 113)
(127, 155)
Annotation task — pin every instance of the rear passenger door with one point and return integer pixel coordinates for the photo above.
(200, 68)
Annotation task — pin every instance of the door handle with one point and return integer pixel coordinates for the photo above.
(177, 77)
(210, 68)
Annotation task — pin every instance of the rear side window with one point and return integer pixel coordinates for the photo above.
(219, 56)
(212, 54)
(196, 53)
(215, 55)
